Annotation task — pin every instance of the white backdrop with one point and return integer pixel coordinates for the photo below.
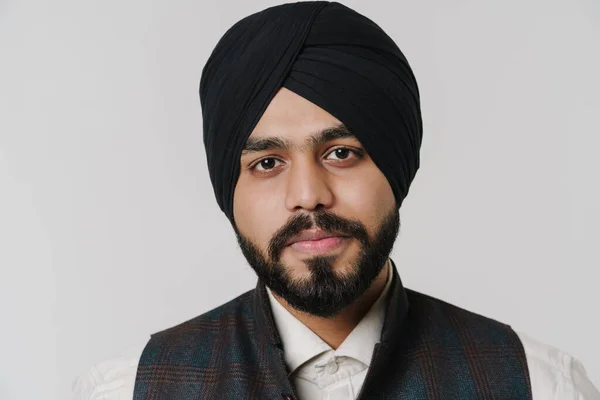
(108, 226)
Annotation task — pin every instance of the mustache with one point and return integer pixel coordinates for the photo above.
(321, 219)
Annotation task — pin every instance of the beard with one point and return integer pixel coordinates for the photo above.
(323, 293)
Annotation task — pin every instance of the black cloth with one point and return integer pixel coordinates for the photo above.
(429, 350)
(331, 55)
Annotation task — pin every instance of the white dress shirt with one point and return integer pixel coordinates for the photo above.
(319, 372)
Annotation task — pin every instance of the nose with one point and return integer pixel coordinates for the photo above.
(308, 187)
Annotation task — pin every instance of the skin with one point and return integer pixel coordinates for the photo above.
(276, 184)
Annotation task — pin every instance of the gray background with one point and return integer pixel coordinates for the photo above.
(108, 226)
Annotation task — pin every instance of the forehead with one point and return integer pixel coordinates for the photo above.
(289, 114)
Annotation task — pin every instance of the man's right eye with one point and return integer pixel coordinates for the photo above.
(265, 164)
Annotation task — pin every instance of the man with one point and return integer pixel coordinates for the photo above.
(312, 129)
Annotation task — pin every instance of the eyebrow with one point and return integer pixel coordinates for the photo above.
(279, 143)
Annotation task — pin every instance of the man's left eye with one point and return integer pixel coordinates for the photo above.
(341, 153)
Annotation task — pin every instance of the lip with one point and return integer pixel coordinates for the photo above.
(315, 241)
(314, 235)
(320, 246)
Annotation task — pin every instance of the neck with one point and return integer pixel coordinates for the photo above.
(334, 330)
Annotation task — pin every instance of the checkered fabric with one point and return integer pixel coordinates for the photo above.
(429, 349)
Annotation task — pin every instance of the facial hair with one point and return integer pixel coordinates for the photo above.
(323, 293)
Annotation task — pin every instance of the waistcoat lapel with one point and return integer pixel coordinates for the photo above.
(270, 335)
(396, 310)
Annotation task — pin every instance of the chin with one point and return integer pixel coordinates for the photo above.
(298, 266)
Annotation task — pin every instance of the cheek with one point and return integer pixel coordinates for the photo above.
(369, 197)
(254, 213)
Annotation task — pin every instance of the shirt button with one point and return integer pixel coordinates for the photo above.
(332, 367)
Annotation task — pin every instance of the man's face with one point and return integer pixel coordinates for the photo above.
(314, 216)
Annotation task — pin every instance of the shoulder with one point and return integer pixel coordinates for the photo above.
(430, 304)
(112, 379)
(556, 374)
(439, 314)
(234, 314)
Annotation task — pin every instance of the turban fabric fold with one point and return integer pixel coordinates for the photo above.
(327, 53)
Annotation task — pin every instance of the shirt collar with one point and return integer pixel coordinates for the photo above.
(300, 344)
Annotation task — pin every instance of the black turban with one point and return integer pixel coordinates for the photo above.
(327, 53)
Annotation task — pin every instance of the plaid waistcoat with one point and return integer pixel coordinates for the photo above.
(429, 349)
